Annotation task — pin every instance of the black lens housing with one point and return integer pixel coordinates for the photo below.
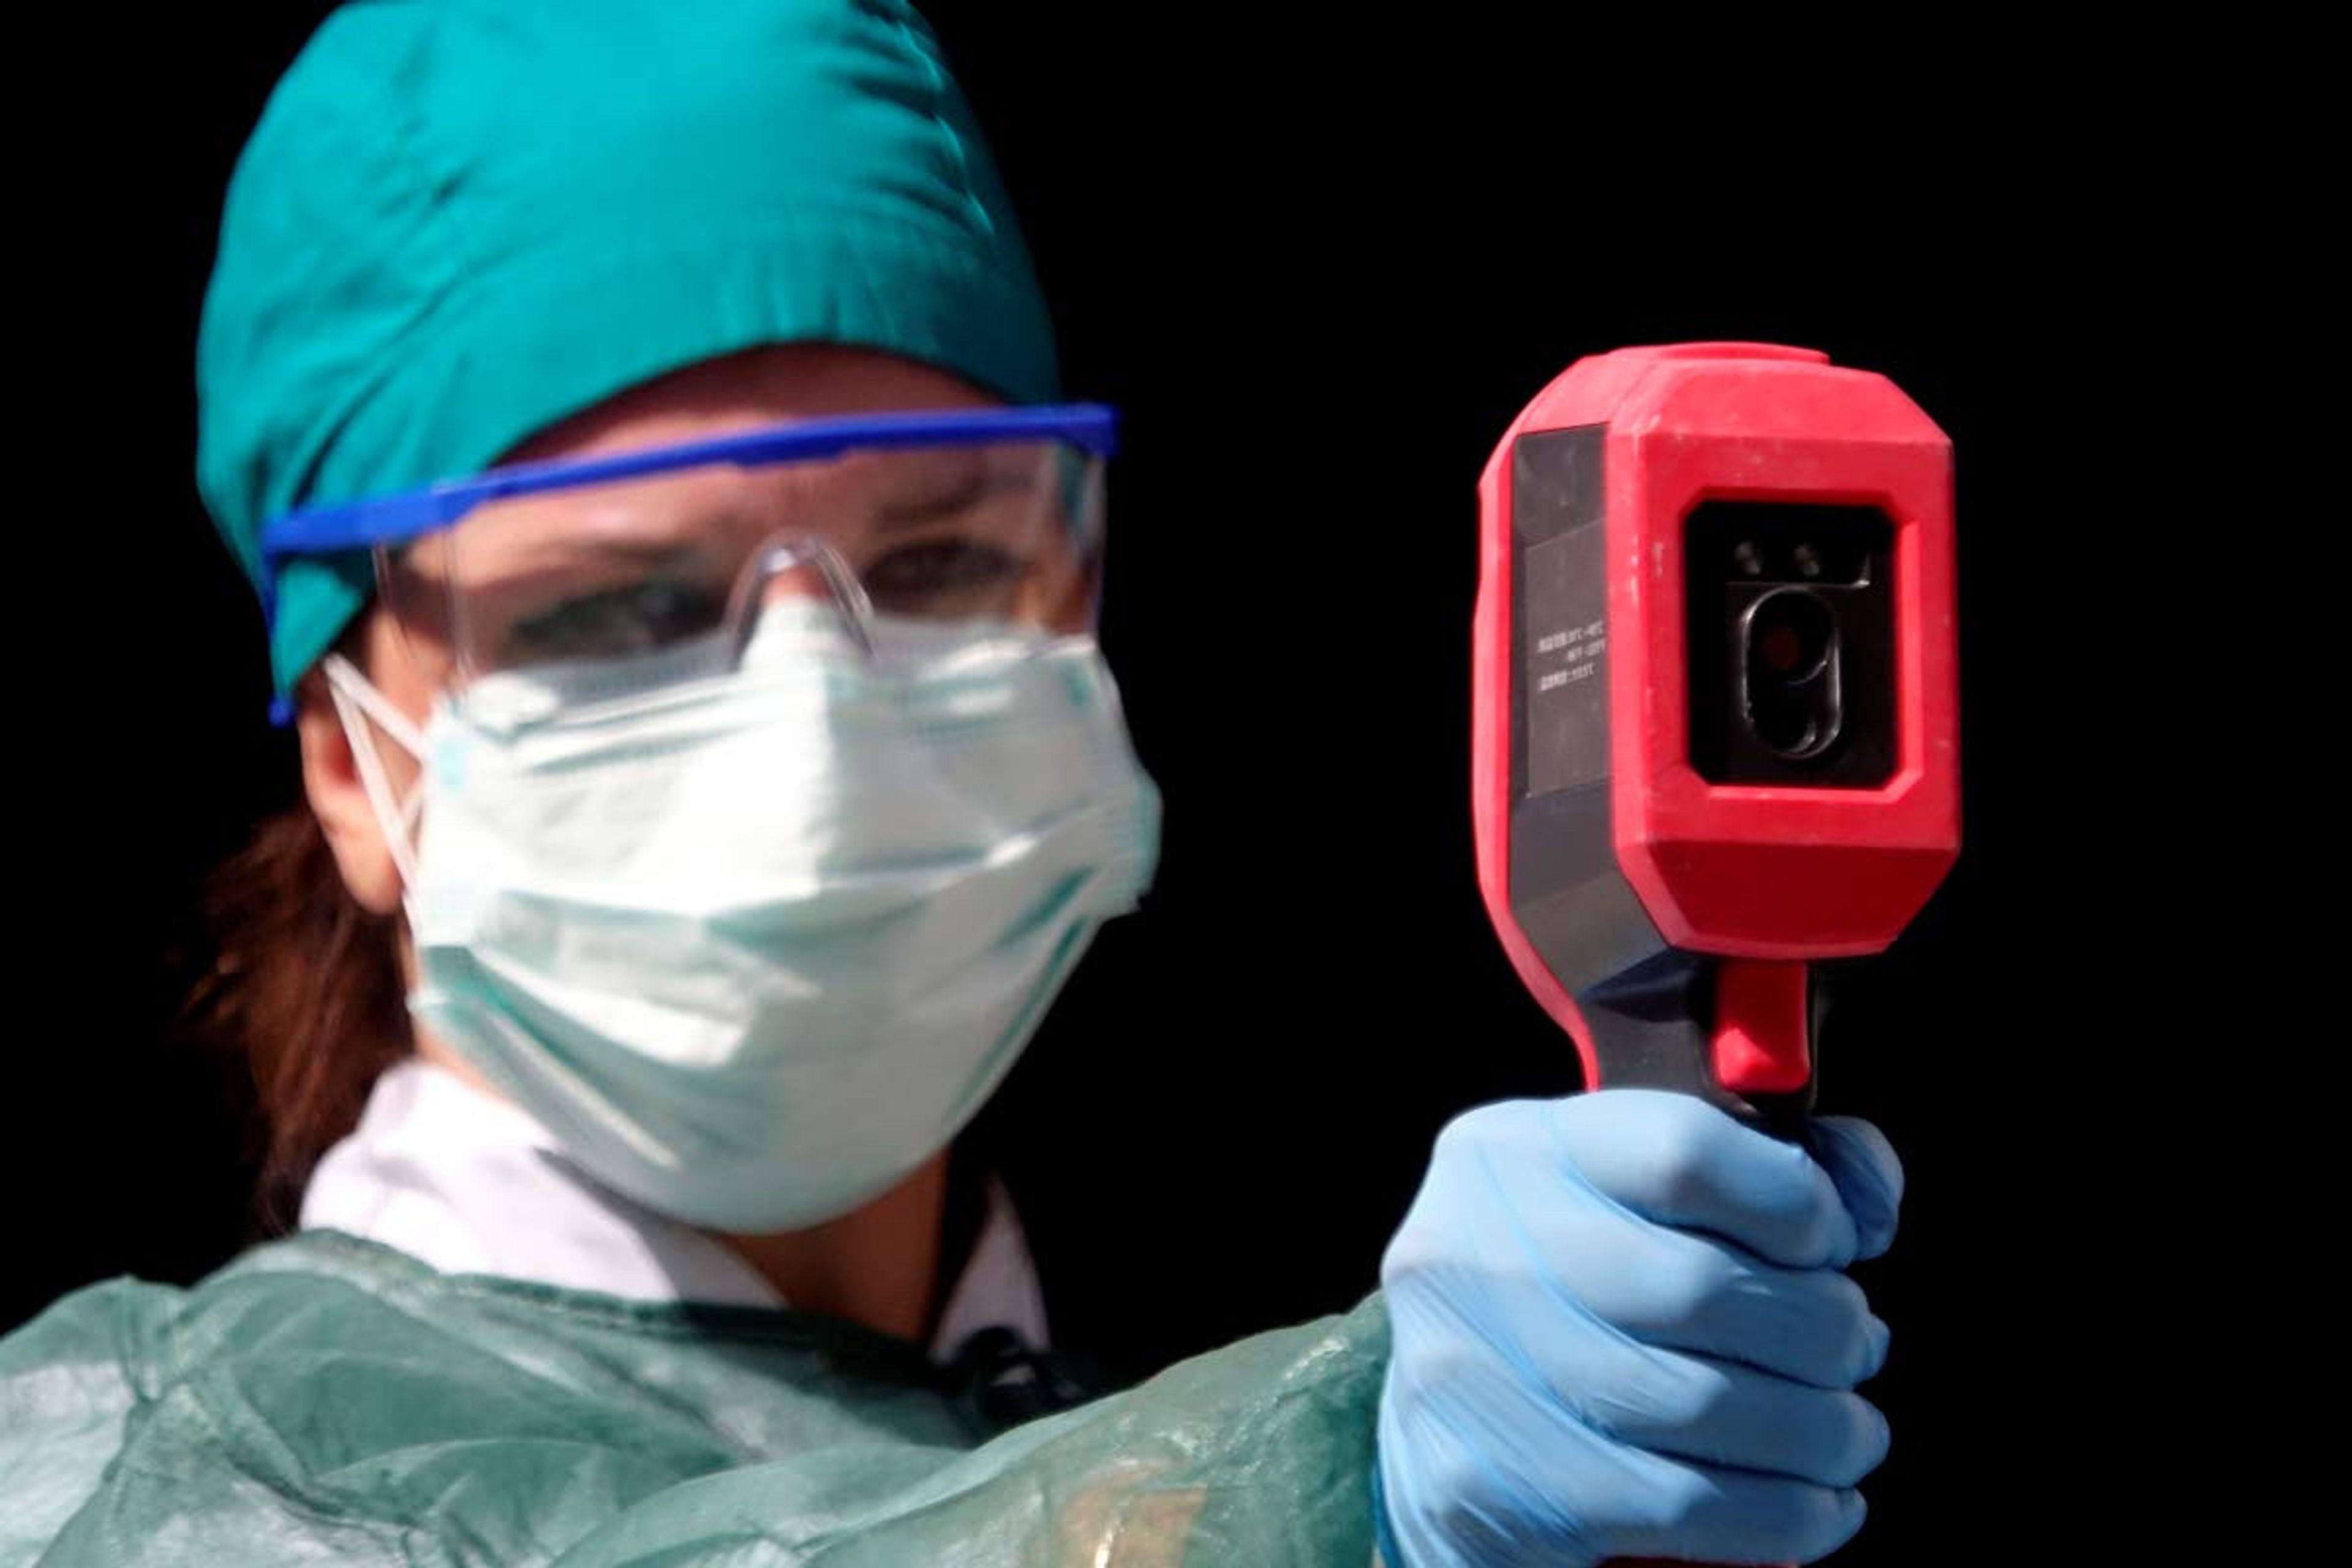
(1790, 650)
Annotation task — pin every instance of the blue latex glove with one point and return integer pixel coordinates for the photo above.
(1618, 1329)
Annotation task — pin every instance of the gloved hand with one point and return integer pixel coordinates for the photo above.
(1618, 1329)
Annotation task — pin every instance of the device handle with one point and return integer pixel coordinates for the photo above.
(1735, 1032)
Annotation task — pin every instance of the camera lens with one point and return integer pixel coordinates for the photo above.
(1792, 696)
(1789, 635)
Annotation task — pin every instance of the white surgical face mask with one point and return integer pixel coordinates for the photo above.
(754, 946)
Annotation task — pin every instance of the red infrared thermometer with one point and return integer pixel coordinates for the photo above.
(1714, 727)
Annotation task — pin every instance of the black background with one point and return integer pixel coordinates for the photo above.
(1320, 267)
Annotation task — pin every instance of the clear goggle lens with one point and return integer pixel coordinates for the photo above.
(905, 543)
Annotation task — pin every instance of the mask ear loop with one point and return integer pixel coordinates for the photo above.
(357, 702)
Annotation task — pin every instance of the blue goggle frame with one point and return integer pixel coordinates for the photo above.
(411, 514)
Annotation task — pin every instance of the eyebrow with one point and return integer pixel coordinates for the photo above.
(633, 552)
(896, 517)
(652, 554)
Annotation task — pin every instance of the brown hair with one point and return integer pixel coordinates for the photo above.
(305, 985)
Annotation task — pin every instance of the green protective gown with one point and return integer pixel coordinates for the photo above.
(325, 1399)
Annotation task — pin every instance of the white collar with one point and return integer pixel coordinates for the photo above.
(471, 1185)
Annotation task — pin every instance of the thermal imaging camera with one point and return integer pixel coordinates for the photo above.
(1714, 724)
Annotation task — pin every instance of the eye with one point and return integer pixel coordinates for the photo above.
(636, 618)
(945, 577)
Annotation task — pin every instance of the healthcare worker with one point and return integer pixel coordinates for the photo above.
(641, 426)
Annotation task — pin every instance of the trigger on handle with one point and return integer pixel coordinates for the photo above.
(1736, 1031)
(1763, 1028)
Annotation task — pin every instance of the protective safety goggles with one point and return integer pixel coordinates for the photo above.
(906, 523)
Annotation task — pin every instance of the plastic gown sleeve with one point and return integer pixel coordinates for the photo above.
(324, 1400)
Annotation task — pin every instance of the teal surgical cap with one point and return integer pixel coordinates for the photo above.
(460, 221)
